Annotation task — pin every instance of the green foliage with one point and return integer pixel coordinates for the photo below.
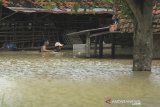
(76, 7)
(109, 1)
(125, 8)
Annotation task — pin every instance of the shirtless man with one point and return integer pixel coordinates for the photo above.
(44, 47)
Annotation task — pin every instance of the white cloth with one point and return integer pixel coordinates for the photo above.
(58, 44)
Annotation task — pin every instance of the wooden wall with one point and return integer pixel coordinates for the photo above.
(156, 46)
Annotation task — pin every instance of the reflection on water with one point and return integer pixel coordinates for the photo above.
(30, 79)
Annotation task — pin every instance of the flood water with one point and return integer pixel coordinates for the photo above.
(31, 79)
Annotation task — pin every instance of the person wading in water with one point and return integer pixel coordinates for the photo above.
(58, 47)
(44, 47)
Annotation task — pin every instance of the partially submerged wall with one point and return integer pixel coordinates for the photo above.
(156, 46)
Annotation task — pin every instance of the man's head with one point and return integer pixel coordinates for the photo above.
(58, 46)
(46, 42)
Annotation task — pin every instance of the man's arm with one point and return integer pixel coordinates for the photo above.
(44, 49)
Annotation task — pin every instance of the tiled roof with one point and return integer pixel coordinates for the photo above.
(58, 7)
(126, 24)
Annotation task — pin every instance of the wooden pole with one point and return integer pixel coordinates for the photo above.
(101, 47)
(113, 50)
(113, 46)
(95, 46)
(0, 11)
(88, 45)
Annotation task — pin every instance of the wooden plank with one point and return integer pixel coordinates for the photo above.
(99, 34)
(86, 31)
(8, 16)
(107, 32)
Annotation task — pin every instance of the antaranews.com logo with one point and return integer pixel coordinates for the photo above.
(132, 102)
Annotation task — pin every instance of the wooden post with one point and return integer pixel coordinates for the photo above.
(113, 50)
(33, 33)
(101, 47)
(0, 11)
(88, 45)
(95, 46)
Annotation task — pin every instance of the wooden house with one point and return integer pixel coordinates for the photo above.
(27, 23)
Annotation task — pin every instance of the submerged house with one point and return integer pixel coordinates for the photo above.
(27, 23)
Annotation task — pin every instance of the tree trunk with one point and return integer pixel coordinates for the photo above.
(142, 53)
(143, 36)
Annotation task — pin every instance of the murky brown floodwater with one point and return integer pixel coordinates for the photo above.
(30, 79)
